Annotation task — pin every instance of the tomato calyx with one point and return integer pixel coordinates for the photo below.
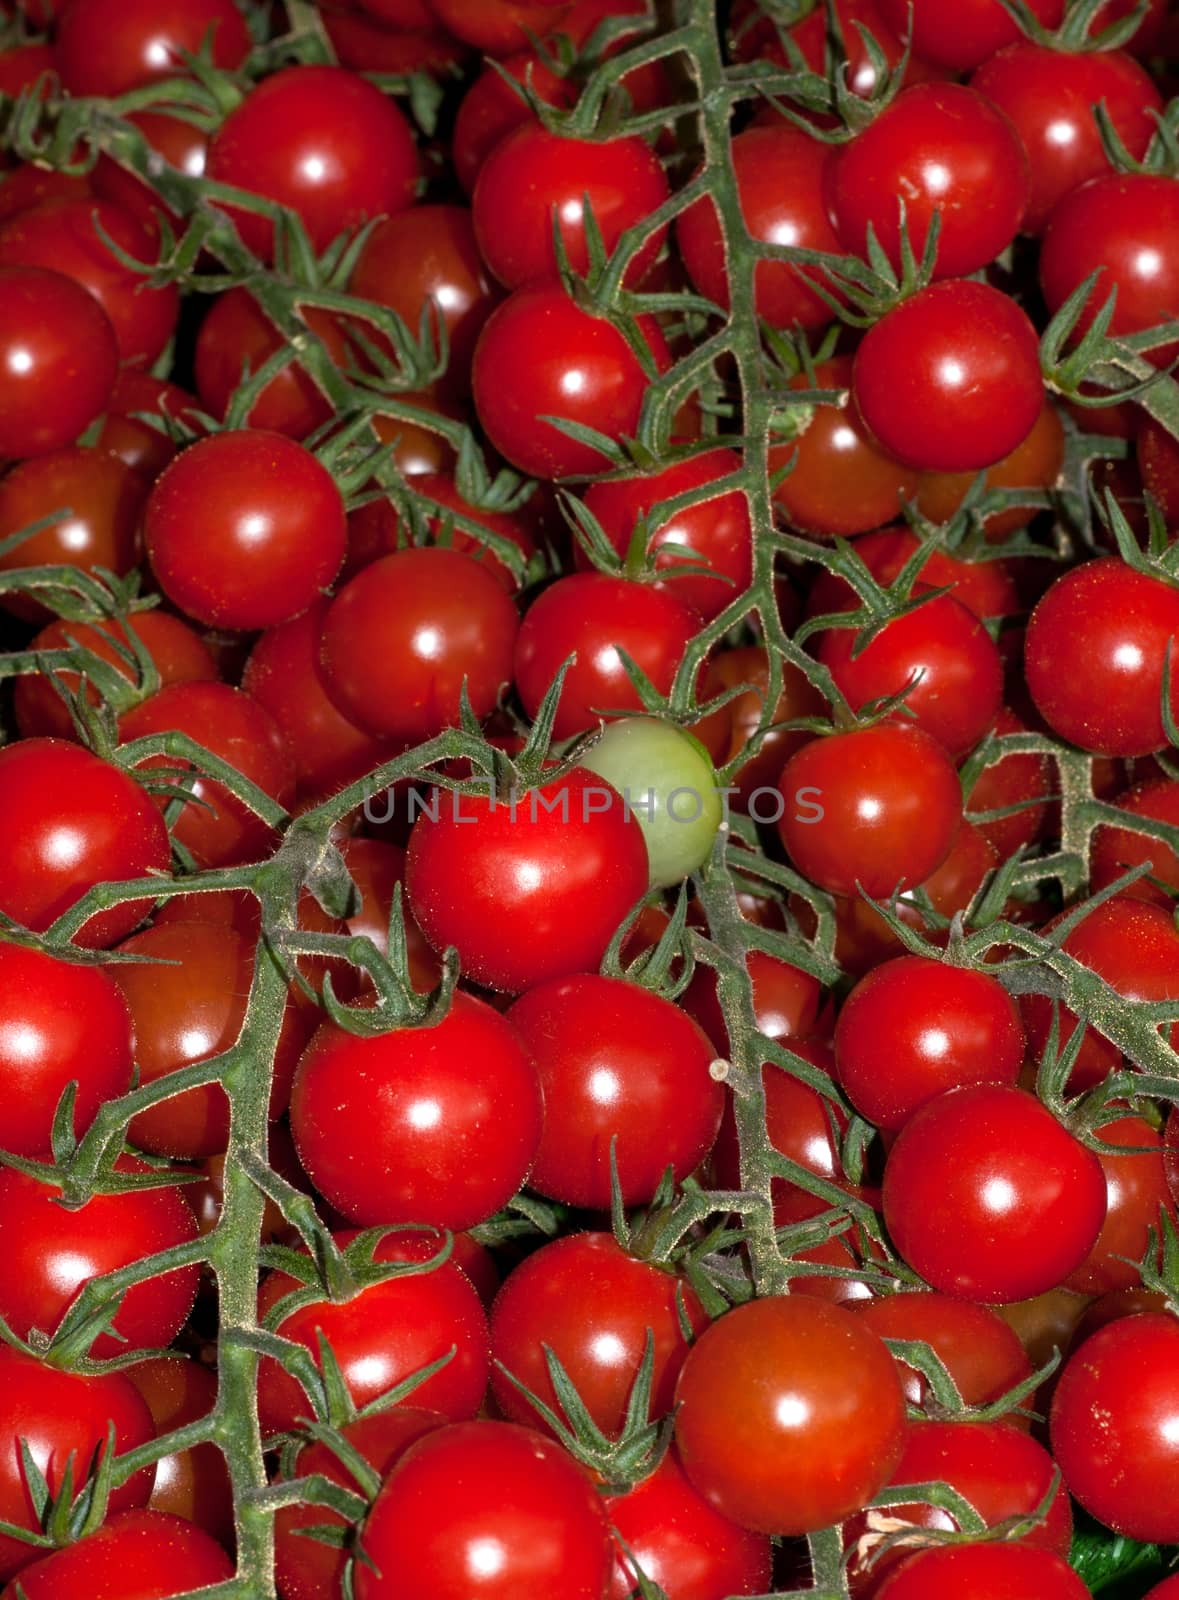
(1075, 35)
(79, 1507)
(1116, 367)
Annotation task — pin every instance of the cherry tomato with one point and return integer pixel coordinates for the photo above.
(749, 664)
(491, 109)
(157, 1553)
(137, 443)
(1136, 1195)
(982, 1571)
(59, 357)
(961, 37)
(1114, 850)
(977, 1348)
(497, 27)
(178, 144)
(987, 588)
(193, 1483)
(785, 1000)
(107, 47)
(1035, 464)
(385, 528)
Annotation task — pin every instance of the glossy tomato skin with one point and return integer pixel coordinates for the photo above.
(728, 669)
(982, 1572)
(107, 47)
(49, 1254)
(978, 1349)
(945, 149)
(589, 1302)
(915, 1027)
(59, 1415)
(534, 175)
(596, 617)
(1014, 778)
(681, 1543)
(245, 529)
(876, 806)
(322, 141)
(715, 533)
(1114, 849)
(59, 357)
(540, 355)
(1034, 465)
(958, 39)
(785, 1000)
(615, 1062)
(62, 1023)
(790, 1415)
(1049, 96)
(137, 443)
(440, 488)
(383, 1334)
(530, 890)
(1136, 1196)
(134, 1554)
(193, 1483)
(424, 1101)
(1094, 655)
(401, 638)
(116, 832)
(491, 109)
(950, 380)
(177, 144)
(497, 27)
(943, 651)
(987, 588)
(1124, 1472)
(779, 172)
(63, 236)
(988, 1197)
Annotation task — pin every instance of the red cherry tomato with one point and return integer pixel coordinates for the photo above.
(1136, 1196)
(193, 1483)
(107, 47)
(158, 1553)
(982, 1571)
(497, 27)
(978, 1349)
(961, 37)
(491, 109)
(1114, 850)
(59, 357)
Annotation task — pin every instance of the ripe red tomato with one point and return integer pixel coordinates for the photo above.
(790, 1415)
(878, 807)
(497, 27)
(989, 1198)
(539, 355)
(59, 356)
(137, 1553)
(71, 821)
(1116, 849)
(137, 443)
(785, 1000)
(1014, 780)
(959, 38)
(915, 1027)
(236, 336)
(937, 147)
(1034, 465)
(982, 1571)
(423, 1100)
(177, 144)
(193, 1483)
(950, 380)
(322, 141)
(383, 526)
(616, 1063)
(987, 588)
(1136, 1196)
(488, 1499)
(491, 109)
(978, 1349)
(527, 888)
(107, 47)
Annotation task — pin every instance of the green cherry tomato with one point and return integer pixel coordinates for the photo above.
(665, 776)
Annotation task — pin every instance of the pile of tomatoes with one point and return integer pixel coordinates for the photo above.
(589, 806)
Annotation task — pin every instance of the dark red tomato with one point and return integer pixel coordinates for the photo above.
(485, 1509)
(28, 185)
(418, 448)
(193, 1483)
(528, 888)
(62, 1023)
(989, 1198)
(403, 636)
(714, 532)
(779, 174)
(616, 1063)
(839, 481)
(423, 1102)
(983, 1572)
(1167, 1590)
(877, 807)
(283, 674)
(384, 1334)
(1123, 228)
(533, 176)
(218, 829)
(987, 588)
(71, 821)
(1135, 948)
(321, 141)
(595, 617)
(105, 498)
(442, 491)
(368, 45)
(593, 1305)
(1027, 780)
(236, 336)
(840, 1282)
(977, 1348)
(959, 38)
(137, 1555)
(945, 149)
(187, 1011)
(107, 47)
(1126, 1471)
(141, 446)
(539, 355)
(64, 1421)
(58, 357)
(429, 253)
(679, 1542)
(1114, 850)
(996, 1468)
(177, 143)
(64, 236)
(305, 1569)
(1035, 464)
(1049, 95)
(22, 64)
(1094, 655)
(790, 1415)
(1137, 1194)
(950, 380)
(491, 109)
(785, 1000)
(498, 27)
(1158, 462)
(940, 649)
(729, 669)
(245, 529)
(48, 1254)
(801, 1124)
(914, 1028)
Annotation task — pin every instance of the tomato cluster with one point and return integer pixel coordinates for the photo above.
(589, 818)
